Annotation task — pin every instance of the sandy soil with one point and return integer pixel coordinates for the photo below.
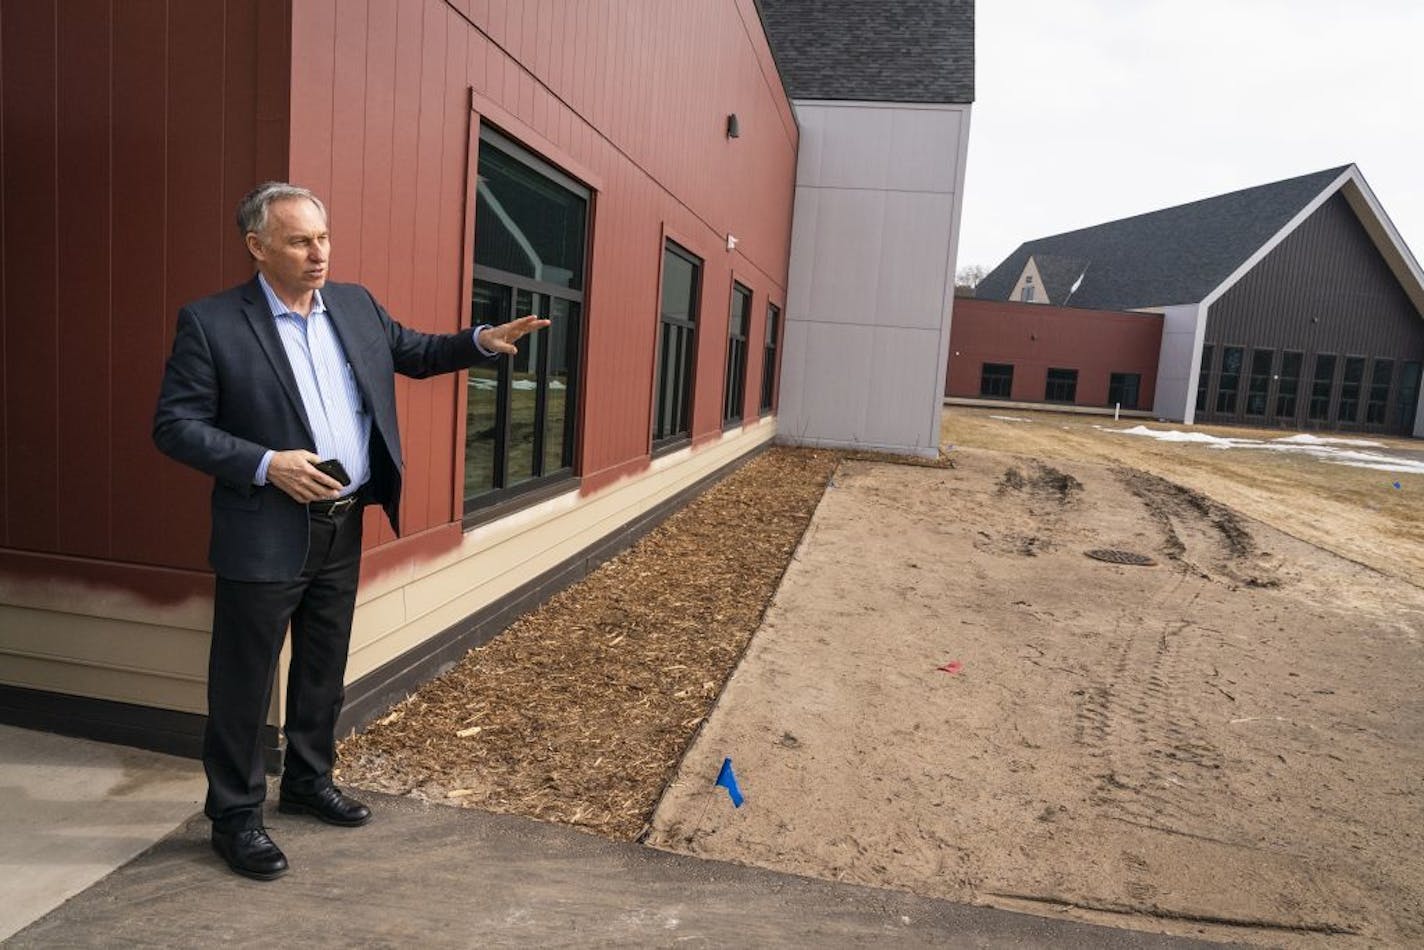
(1227, 744)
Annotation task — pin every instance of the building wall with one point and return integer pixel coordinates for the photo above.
(1182, 329)
(1033, 338)
(104, 590)
(1325, 289)
(878, 194)
(129, 131)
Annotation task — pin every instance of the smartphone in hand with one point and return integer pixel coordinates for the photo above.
(335, 469)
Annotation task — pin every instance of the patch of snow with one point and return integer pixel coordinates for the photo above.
(1177, 435)
(1305, 438)
(1313, 446)
(1382, 463)
(1011, 418)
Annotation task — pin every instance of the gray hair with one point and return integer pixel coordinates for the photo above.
(252, 209)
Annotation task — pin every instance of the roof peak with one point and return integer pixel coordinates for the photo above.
(1326, 174)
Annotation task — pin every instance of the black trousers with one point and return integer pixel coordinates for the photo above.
(249, 624)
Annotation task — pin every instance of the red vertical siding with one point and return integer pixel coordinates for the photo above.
(129, 130)
(637, 93)
(141, 318)
(146, 120)
(82, 296)
(31, 254)
(4, 391)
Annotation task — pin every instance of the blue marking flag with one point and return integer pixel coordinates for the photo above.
(1397, 485)
(729, 781)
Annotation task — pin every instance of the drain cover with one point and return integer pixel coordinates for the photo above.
(1114, 556)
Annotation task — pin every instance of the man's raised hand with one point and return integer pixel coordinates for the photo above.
(501, 339)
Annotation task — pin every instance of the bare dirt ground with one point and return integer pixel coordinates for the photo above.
(1228, 744)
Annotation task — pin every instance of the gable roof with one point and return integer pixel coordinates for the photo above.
(1177, 255)
(1058, 275)
(885, 51)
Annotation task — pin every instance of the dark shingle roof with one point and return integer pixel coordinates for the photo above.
(1173, 256)
(882, 51)
(1059, 274)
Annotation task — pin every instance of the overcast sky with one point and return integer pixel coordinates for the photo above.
(1099, 109)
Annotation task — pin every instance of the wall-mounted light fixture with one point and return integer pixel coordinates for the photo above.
(734, 128)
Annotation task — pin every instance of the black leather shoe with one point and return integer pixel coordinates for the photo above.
(328, 804)
(251, 853)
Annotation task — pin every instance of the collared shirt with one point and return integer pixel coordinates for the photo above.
(340, 423)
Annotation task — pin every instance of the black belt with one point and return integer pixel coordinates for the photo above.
(337, 506)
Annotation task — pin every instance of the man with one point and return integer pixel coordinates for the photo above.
(265, 381)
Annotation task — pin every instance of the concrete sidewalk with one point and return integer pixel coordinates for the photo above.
(444, 877)
(73, 811)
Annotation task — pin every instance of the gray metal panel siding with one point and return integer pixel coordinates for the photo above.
(1324, 290)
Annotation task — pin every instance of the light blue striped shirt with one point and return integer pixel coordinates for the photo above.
(339, 420)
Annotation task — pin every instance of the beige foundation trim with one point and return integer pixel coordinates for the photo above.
(75, 677)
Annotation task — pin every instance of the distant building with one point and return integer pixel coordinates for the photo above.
(1292, 304)
(1017, 351)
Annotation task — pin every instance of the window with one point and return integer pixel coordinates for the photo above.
(1258, 389)
(1062, 385)
(1350, 385)
(1320, 387)
(1027, 295)
(530, 240)
(768, 357)
(996, 379)
(1407, 400)
(1381, 374)
(677, 337)
(1204, 377)
(734, 389)
(1123, 389)
(1289, 385)
(1230, 381)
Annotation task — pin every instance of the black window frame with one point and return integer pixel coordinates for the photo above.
(1258, 384)
(1007, 378)
(771, 341)
(734, 370)
(1116, 384)
(1377, 401)
(1351, 391)
(1288, 385)
(1204, 377)
(502, 497)
(1406, 396)
(1315, 397)
(675, 334)
(1226, 396)
(1067, 382)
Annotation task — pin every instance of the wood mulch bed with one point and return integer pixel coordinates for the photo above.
(580, 711)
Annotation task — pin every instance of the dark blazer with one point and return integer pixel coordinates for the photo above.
(229, 395)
